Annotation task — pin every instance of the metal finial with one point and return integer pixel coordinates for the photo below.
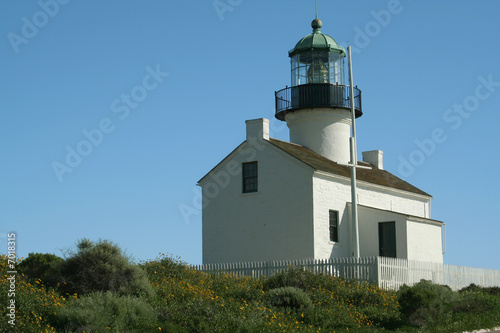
(316, 8)
(316, 24)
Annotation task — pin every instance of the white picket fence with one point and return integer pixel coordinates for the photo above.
(387, 273)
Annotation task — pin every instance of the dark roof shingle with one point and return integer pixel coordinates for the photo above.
(318, 162)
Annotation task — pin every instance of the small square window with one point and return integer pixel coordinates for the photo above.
(250, 177)
(334, 226)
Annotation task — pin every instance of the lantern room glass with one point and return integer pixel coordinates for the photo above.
(317, 67)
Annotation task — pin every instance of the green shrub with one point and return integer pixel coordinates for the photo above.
(101, 266)
(473, 308)
(494, 291)
(43, 266)
(473, 288)
(333, 319)
(424, 302)
(35, 305)
(289, 297)
(107, 312)
(166, 267)
(236, 287)
(295, 276)
(474, 303)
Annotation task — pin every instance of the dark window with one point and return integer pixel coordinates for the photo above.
(250, 179)
(334, 226)
(387, 239)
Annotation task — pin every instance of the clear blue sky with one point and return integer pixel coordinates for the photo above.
(163, 89)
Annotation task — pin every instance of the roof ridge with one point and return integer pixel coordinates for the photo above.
(375, 175)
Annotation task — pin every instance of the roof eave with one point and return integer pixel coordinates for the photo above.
(213, 170)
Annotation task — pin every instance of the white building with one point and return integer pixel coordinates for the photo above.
(274, 200)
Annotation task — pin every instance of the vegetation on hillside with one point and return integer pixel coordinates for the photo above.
(99, 289)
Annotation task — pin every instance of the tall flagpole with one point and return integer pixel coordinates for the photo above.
(354, 162)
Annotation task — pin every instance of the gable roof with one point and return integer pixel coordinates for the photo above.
(222, 162)
(320, 163)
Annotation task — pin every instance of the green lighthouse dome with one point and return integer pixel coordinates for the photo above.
(317, 41)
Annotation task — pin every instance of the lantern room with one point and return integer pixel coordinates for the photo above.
(317, 68)
(317, 58)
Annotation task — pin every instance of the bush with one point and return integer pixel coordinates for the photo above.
(166, 266)
(424, 302)
(334, 320)
(35, 305)
(43, 266)
(107, 312)
(289, 297)
(493, 291)
(101, 266)
(298, 277)
(474, 303)
(473, 288)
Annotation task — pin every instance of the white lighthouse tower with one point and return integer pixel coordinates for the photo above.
(317, 106)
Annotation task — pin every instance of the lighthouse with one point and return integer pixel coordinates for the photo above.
(271, 200)
(317, 105)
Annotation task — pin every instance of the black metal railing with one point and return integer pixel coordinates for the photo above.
(316, 95)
